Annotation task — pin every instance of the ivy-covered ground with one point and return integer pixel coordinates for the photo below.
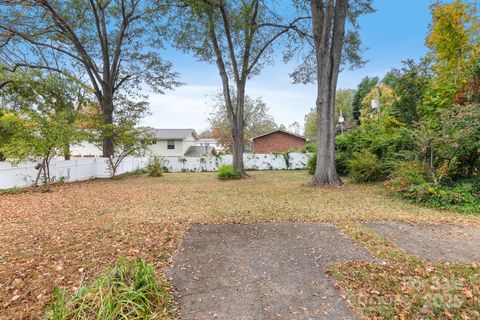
(68, 235)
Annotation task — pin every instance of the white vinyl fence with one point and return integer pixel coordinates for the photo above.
(252, 161)
(23, 175)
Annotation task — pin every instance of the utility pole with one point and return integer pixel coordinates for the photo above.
(376, 104)
(341, 120)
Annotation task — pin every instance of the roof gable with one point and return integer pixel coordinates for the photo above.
(281, 131)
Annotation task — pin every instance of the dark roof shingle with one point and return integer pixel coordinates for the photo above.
(177, 134)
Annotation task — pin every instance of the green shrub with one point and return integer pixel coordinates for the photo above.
(389, 144)
(366, 167)
(310, 147)
(312, 163)
(140, 171)
(412, 180)
(155, 168)
(443, 196)
(460, 194)
(342, 160)
(408, 174)
(128, 290)
(227, 172)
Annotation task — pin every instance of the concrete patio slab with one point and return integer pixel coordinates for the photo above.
(429, 241)
(261, 271)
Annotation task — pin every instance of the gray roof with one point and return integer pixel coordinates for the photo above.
(280, 130)
(196, 151)
(174, 134)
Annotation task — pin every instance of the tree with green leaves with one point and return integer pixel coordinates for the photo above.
(38, 136)
(453, 40)
(239, 37)
(343, 105)
(409, 85)
(128, 141)
(114, 44)
(45, 93)
(4, 135)
(363, 89)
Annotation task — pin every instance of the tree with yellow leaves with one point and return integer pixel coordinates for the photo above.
(454, 38)
(385, 97)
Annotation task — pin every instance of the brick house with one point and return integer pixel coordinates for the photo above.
(278, 141)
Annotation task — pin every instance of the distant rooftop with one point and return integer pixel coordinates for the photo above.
(196, 151)
(174, 134)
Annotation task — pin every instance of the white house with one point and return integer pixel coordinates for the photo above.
(166, 142)
(173, 142)
(210, 142)
(85, 149)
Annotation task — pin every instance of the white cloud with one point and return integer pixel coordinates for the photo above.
(186, 107)
(189, 105)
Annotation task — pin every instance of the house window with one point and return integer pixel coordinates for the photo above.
(154, 141)
(170, 144)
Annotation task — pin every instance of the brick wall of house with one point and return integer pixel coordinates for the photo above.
(277, 142)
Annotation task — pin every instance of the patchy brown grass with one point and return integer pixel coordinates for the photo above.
(405, 287)
(67, 236)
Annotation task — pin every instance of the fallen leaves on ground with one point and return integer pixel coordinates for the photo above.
(69, 235)
(405, 287)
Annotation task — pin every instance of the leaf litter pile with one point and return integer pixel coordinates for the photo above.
(405, 287)
(68, 236)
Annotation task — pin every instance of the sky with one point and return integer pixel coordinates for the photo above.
(395, 32)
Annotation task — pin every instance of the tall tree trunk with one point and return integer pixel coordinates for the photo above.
(107, 119)
(325, 171)
(39, 167)
(238, 148)
(66, 152)
(328, 22)
(238, 129)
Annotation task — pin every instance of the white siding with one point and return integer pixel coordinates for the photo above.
(188, 142)
(160, 149)
(85, 149)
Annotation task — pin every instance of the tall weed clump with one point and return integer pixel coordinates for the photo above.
(127, 290)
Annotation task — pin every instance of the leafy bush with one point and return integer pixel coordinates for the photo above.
(459, 197)
(388, 142)
(366, 167)
(413, 180)
(408, 174)
(128, 290)
(155, 168)
(312, 163)
(227, 172)
(310, 147)
(140, 171)
(342, 161)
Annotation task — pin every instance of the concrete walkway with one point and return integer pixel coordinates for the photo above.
(431, 241)
(261, 271)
